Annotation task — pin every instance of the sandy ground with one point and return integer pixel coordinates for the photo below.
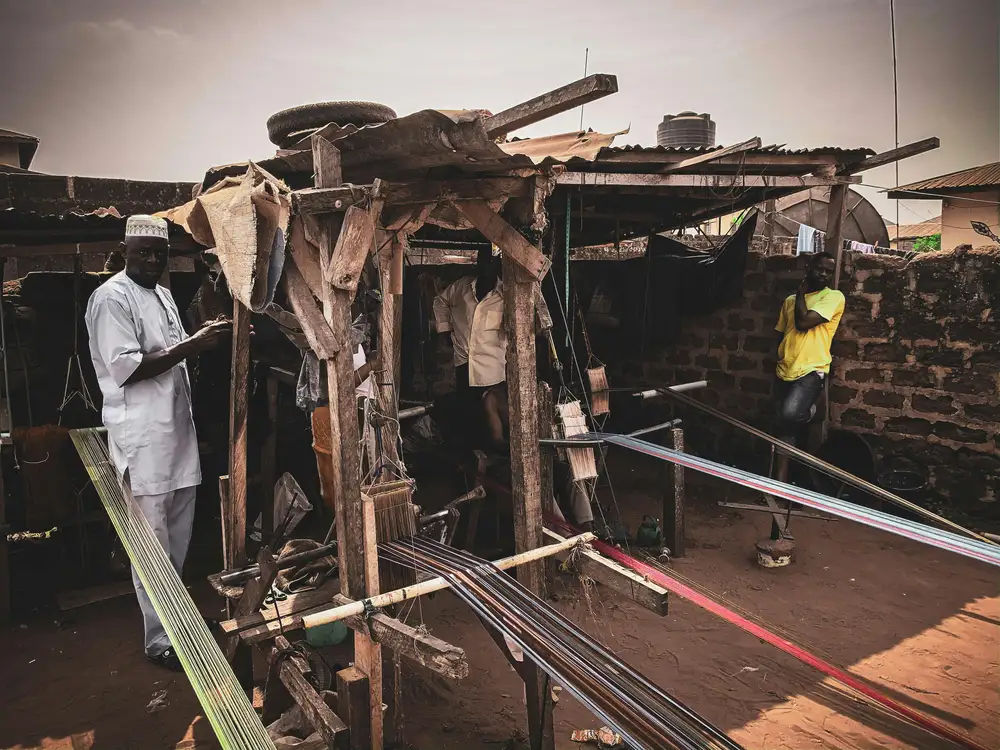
(922, 624)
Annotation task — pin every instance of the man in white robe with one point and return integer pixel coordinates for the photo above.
(139, 349)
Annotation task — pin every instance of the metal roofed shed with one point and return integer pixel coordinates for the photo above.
(971, 180)
(16, 150)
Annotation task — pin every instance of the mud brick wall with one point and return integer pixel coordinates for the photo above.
(916, 365)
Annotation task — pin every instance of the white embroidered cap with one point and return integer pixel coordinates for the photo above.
(143, 225)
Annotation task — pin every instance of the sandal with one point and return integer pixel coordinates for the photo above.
(167, 659)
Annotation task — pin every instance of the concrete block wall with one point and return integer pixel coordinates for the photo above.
(916, 364)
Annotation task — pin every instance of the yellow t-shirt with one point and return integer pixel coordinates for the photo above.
(803, 352)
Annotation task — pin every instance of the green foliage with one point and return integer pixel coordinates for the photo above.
(926, 244)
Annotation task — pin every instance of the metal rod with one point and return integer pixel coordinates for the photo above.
(414, 411)
(252, 571)
(680, 388)
(585, 441)
(827, 468)
(765, 509)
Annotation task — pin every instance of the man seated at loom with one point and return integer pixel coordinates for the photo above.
(807, 322)
(139, 349)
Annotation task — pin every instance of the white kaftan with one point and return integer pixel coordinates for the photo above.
(150, 425)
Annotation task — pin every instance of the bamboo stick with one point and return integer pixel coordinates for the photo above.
(334, 614)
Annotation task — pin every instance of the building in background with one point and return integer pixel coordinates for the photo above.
(903, 236)
(966, 196)
(16, 151)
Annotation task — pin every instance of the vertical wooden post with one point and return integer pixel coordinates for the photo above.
(358, 561)
(234, 511)
(390, 330)
(835, 227)
(522, 387)
(673, 499)
(269, 460)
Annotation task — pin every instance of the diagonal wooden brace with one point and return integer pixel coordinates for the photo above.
(491, 225)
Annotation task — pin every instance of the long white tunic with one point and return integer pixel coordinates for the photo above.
(150, 426)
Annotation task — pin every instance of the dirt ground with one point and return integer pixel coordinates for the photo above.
(922, 624)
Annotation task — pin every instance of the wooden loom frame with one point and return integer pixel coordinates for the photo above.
(348, 234)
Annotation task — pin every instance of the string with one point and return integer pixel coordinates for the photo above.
(226, 706)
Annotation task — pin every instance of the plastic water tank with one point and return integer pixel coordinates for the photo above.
(686, 130)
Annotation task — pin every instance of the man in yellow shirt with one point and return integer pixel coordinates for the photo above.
(807, 323)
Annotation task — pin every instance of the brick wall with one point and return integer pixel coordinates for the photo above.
(916, 364)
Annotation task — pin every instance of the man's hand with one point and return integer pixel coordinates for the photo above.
(210, 336)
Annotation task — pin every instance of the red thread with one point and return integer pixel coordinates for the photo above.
(777, 641)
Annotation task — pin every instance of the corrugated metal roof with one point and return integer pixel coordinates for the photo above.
(986, 175)
(777, 149)
(910, 231)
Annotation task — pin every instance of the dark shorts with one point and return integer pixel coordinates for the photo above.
(794, 399)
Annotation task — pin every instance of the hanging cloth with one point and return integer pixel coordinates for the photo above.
(807, 240)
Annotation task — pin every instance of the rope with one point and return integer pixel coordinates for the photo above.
(227, 707)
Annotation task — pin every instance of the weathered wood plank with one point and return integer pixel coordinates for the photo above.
(292, 672)
(440, 191)
(673, 500)
(235, 511)
(522, 393)
(353, 706)
(892, 155)
(358, 562)
(420, 648)
(328, 200)
(617, 577)
(390, 331)
(515, 247)
(713, 156)
(269, 458)
(287, 615)
(713, 181)
(564, 98)
(355, 241)
(835, 227)
(315, 327)
(254, 592)
(305, 255)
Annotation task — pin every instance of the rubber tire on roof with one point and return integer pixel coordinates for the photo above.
(306, 117)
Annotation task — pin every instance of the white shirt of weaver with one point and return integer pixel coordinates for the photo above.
(150, 426)
(477, 332)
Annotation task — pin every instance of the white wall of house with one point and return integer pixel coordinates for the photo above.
(957, 212)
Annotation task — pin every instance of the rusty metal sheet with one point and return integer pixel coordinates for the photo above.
(984, 176)
(561, 148)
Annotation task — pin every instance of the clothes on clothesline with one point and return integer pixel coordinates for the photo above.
(810, 240)
(860, 247)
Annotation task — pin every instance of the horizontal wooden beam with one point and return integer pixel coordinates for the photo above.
(513, 244)
(892, 155)
(437, 191)
(419, 647)
(698, 181)
(564, 98)
(616, 577)
(329, 200)
(753, 161)
(712, 156)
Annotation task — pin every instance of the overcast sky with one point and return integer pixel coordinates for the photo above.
(163, 90)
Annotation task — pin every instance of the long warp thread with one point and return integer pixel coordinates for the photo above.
(644, 714)
(227, 707)
(973, 548)
(710, 604)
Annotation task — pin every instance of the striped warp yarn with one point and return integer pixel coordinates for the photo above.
(946, 540)
(227, 707)
(640, 711)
